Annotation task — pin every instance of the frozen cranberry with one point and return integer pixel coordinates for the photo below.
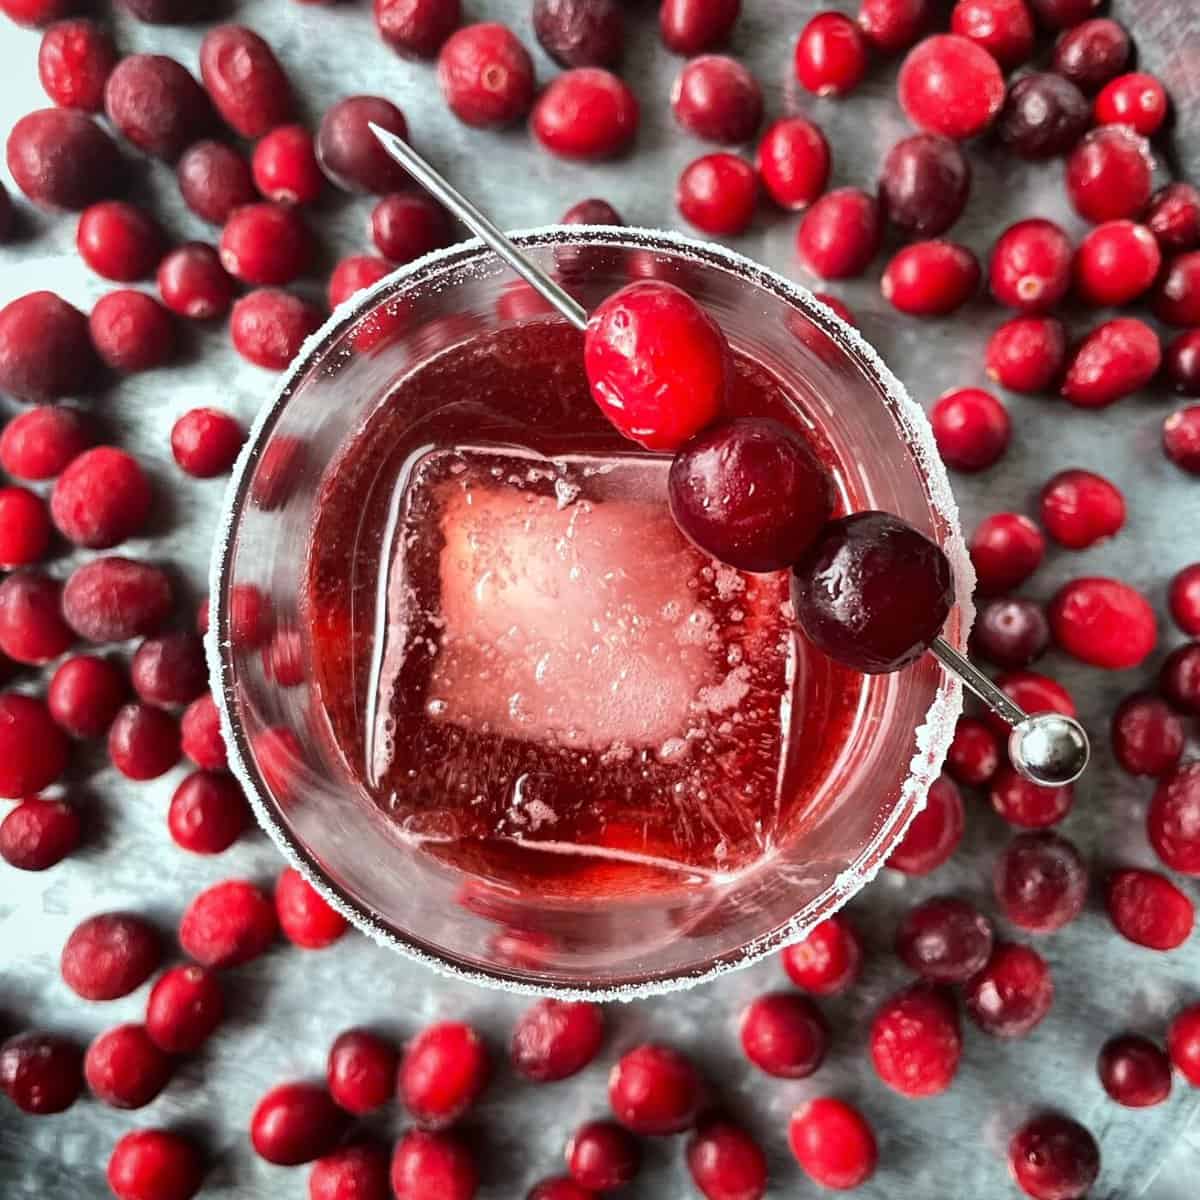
(1092, 53)
(971, 427)
(143, 742)
(205, 442)
(725, 1163)
(110, 955)
(295, 1123)
(602, 1156)
(361, 1072)
(193, 283)
(169, 670)
(350, 154)
(1173, 216)
(1025, 804)
(1109, 174)
(444, 1070)
(784, 1035)
(32, 629)
(831, 55)
(41, 1073)
(355, 1172)
(1181, 361)
(580, 33)
(354, 273)
(417, 27)
(1003, 28)
(39, 443)
(407, 225)
(950, 85)
(1179, 679)
(184, 1008)
(1183, 1044)
(1115, 360)
(1027, 354)
(555, 1039)
(654, 1090)
(916, 1042)
(131, 331)
(934, 833)
(974, 755)
(1030, 266)
(717, 98)
(1137, 99)
(793, 161)
(1181, 439)
(486, 75)
(1034, 693)
(37, 834)
(208, 813)
(1010, 632)
(284, 166)
(24, 527)
(244, 79)
(1103, 622)
(45, 349)
(33, 750)
(833, 1143)
(154, 1164)
(1062, 14)
(228, 924)
(74, 61)
(924, 184)
(1134, 1071)
(1147, 736)
(930, 279)
(839, 235)
(1041, 882)
(893, 25)
(101, 499)
(1079, 508)
(1012, 994)
(693, 26)
(265, 244)
(118, 241)
(1007, 548)
(1116, 263)
(944, 940)
(1173, 819)
(1044, 115)
(1177, 295)
(1148, 909)
(828, 961)
(426, 1164)
(306, 919)
(113, 599)
(60, 158)
(214, 180)
(586, 113)
(124, 1068)
(268, 326)
(1053, 1158)
(156, 104)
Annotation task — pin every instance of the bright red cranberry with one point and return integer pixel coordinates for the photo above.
(784, 1035)
(654, 1090)
(1179, 679)
(950, 85)
(284, 166)
(934, 833)
(1137, 99)
(114, 599)
(580, 33)
(193, 283)
(1109, 174)
(354, 273)
(124, 1068)
(208, 813)
(1103, 622)
(101, 499)
(555, 1039)
(1026, 805)
(1173, 216)
(156, 104)
(355, 1172)
(143, 742)
(33, 750)
(1092, 53)
(930, 279)
(1041, 882)
(295, 1123)
(1044, 115)
(39, 443)
(228, 924)
(893, 25)
(944, 940)
(1173, 819)
(205, 442)
(839, 235)
(1183, 1044)
(41, 1073)
(602, 1156)
(1027, 354)
(1181, 361)
(828, 961)
(154, 1164)
(694, 26)
(916, 1042)
(717, 98)
(445, 1068)
(591, 212)
(1004, 28)
(265, 244)
(1053, 1158)
(361, 1072)
(833, 1143)
(131, 331)
(417, 27)
(486, 75)
(1148, 909)
(974, 755)
(169, 670)
(184, 1008)
(1007, 548)
(1183, 599)
(32, 629)
(725, 1163)
(24, 527)
(1062, 14)
(1116, 263)
(350, 154)
(36, 13)
(587, 113)
(924, 184)
(118, 241)
(1181, 439)
(214, 180)
(1010, 632)
(60, 158)
(831, 55)
(1012, 994)
(245, 80)
(306, 919)
(74, 62)
(793, 161)
(1177, 294)
(110, 955)
(37, 834)
(407, 225)
(1115, 360)
(268, 326)
(45, 349)
(1078, 508)
(433, 1164)
(971, 427)
(1030, 267)
(1134, 1071)
(1034, 693)
(1147, 736)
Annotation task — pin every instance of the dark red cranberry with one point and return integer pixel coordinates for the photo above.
(602, 1156)
(1024, 804)
(433, 1164)
(1027, 354)
(1148, 909)
(893, 25)
(1134, 1071)
(1010, 632)
(39, 443)
(131, 331)
(1115, 360)
(1179, 679)
(60, 158)
(1137, 99)
(305, 917)
(45, 349)
(1147, 736)
(1173, 216)
(1030, 266)
(184, 1008)
(113, 599)
(1181, 439)
(1177, 295)
(85, 694)
(1054, 1158)
(193, 283)
(154, 1164)
(285, 168)
(143, 742)
(101, 499)
(1183, 599)
(1173, 819)
(355, 1172)
(1041, 882)
(1079, 508)
(265, 244)
(124, 1068)
(839, 235)
(944, 940)
(924, 184)
(354, 273)
(828, 961)
(831, 55)
(167, 12)
(974, 754)
(934, 833)
(555, 1039)
(833, 1143)
(971, 427)
(1044, 115)
(37, 834)
(205, 442)
(784, 1035)
(580, 33)
(725, 1163)
(36, 13)
(247, 85)
(1116, 263)
(654, 1090)
(24, 527)
(950, 85)
(208, 813)
(33, 750)
(717, 98)
(1183, 1044)
(1062, 14)
(930, 279)
(41, 1073)
(1003, 28)
(793, 161)
(110, 955)
(32, 629)
(1007, 548)
(407, 225)
(486, 75)
(1092, 53)
(444, 1071)
(1012, 994)
(200, 734)
(118, 241)
(694, 26)
(350, 154)
(586, 113)
(417, 27)
(295, 1123)
(156, 104)
(268, 326)
(591, 212)
(1181, 360)
(361, 1072)
(1103, 622)
(74, 62)
(916, 1041)
(1109, 174)
(214, 180)
(228, 924)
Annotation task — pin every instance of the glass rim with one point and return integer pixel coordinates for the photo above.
(931, 739)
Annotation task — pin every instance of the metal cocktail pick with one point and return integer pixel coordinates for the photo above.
(1047, 748)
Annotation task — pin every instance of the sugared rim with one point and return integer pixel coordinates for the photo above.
(931, 738)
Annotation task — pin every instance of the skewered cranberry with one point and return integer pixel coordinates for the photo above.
(1183, 1044)
(1030, 267)
(1109, 174)
(1181, 438)
(1147, 737)
(110, 955)
(41, 1073)
(718, 194)
(717, 98)
(1027, 354)
(833, 1143)
(355, 1172)
(916, 1042)
(124, 1068)
(1116, 263)
(45, 349)
(1103, 622)
(602, 1156)
(693, 26)
(1113, 361)
(654, 1090)
(61, 158)
(118, 241)
(971, 427)
(1041, 882)
(1173, 216)
(268, 326)
(33, 750)
(39, 443)
(185, 1006)
(1010, 632)
(587, 113)
(1053, 1158)
(247, 84)
(1177, 295)
(828, 961)
(725, 1163)
(950, 85)
(580, 33)
(793, 161)
(37, 834)
(784, 1035)
(839, 235)
(285, 167)
(930, 279)
(350, 154)
(1136, 99)
(156, 104)
(1012, 994)
(944, 940)
(1148, 909)
(295, 1123)
(831, 55)
(1079, 508)
(101, 499)
(1003, 28)
(486, 75)
(417, 27)
(1092, 53)
(1179, 679)
(193, 283)
(974, 754)
(893, 25)
(934, 833)
(113, 599)
(1027, 805)
(555, 1039)
(74, 62)
(1007, 548)
(445, 1068)
(154, 1164)
(1044, 115)
(227, 924)
(208, 813)
(1134, 1071)
(924, 184)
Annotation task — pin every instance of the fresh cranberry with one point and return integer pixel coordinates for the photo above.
(101, 499)
(184, 1008)
(1004, 28)
(1183, 1044)
(1035, 694)
(833, 1143)
(206, 441)
(1012, 994)
(934, 833)
(944, 940)
(602, 1156)
(1183, 599)
(24, 527)
(169, 670)
(1041, 882)
(36, 13)
(444, 1070)
(407, 225)
(354, 273)
(893, 25)
(426, 1164)
(265, 244)
(131, 331)
(1116, 263)
(1113, 361)
(118, 241)
(417, 27)
(784, 1035)
(1025, 804)
(1134, 1071)
(950, 85)
(1181, 439)
(37, 834)
(143, 742)
(41, 1073)
(268, 326)
(1147, 736)
(45, 349)
(793, 161)
(694, 26)
(214, 180)
(110, 955)
(124, 1068)
(350, 154)
(486, 75)
(154, 1164)
(1079, 508)
(916, 1042)
(717, 98)
(1103, 622)
(228, 924)
(74, 62)
(586, 113)
(247, 85)
(32, 629)
(1181, 361)
(1173, 819)
(361, 1073)
(831, 55)
(193, 283)
(1027, 354)
(1044, 115)
(1148, 909)
(828, 961)
(355, 1172)
(1177, 294)
(974, 754)
(1137, 99)
(208, 813)
(114, 599)
(839, 235)
(580, 33)
(1053, 1158)
(61, 159)
(930, 279)
(40, 443)
(1010, 632)
(295, 1123)
(654, 1090)
(924, 184)
(1173, 216)
(591, 212)
(1092, 53)
(725, 1163)
(153, 102)
(1109, 174)
(1007, 548)
(971, 427)
(1062, 14)
(305, 918)
(284, 166)
(555, 1039)
(33, 750)
(1030, 267)
(1179, 679)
